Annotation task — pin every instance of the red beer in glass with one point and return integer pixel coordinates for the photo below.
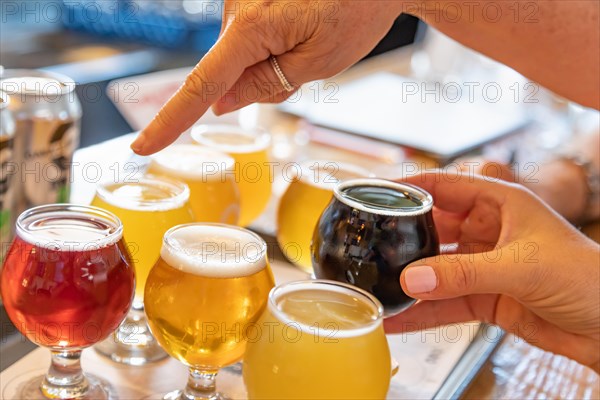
(67, 283)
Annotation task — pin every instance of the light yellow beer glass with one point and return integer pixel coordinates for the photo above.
(210, 176)
(253, 172)
(318, 339)
(303, 202)
(147, 207)
(210, 284)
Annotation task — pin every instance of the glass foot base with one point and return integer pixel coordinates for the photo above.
(98, 389)
(178, 395)
(132, 343)
(131, 354)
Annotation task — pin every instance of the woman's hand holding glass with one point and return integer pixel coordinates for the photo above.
(515, 263)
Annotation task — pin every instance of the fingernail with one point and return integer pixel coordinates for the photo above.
(137, 145)
(420, 279)
(216, 110)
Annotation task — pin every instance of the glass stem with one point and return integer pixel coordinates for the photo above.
(65, 379)
(201, 385)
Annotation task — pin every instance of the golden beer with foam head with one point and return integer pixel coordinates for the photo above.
(209, 174)
(148, 207)
(253, 172)
(318, 340)
(210, 283)
(303, 202)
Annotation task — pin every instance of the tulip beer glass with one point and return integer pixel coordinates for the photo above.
(253, 174)
(303, 202)
(210, 282)
(148, 207)
(210, 176)
(318, 339)
(67, 283)
(371, 230)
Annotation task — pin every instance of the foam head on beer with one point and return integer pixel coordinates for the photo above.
(68, 231)
(188, 161)
(210, 282)
(210, 175)
(215, 251)
(335, 309)
(82, 275)
(230, 138)
(253, 171)
(149, 194)
(336, 325)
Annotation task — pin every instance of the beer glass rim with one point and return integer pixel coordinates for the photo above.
(225, 160)
(263, 137)
(325, 284)
(72, 210)
(67, 85)
(167, 242)
(178, 200)
(421, 194)
(305, 170)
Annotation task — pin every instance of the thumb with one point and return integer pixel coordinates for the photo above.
(455, 275)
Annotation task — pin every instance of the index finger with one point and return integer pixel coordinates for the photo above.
(458, 192)
(216, 72)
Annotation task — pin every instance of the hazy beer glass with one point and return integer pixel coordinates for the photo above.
(371, 230)
(318, 340)
(253, 172)
(67, 283)
(214, 195)
(210, 282)
(303, 202)
(148, 207)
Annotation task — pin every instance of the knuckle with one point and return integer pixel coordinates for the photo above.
(462, 276)
(163, 118)
(266, 85)
(195, 84)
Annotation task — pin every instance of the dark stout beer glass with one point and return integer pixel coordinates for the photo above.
(371, 230)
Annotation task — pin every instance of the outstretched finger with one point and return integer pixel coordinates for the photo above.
(219, 69)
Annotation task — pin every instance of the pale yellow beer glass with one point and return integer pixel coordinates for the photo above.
(210, 176)
(318, 339)
(303, 202)
(147, 207)
(253, 171)
(210, 283)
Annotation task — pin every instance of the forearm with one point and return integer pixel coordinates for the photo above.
(555, 43)
(564, 185)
